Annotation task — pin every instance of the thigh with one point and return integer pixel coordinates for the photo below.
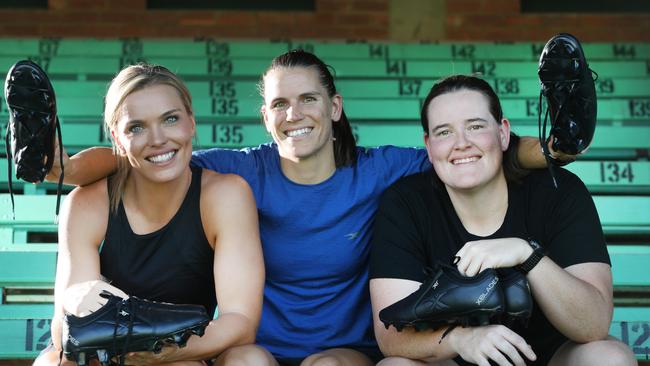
(249, 354)
(401, 361)
(607, 352)
(339, 356)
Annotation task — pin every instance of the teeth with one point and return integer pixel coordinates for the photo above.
(300, 132)
(162, 157)
(465, 160)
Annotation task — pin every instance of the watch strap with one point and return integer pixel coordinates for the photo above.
(534, 258)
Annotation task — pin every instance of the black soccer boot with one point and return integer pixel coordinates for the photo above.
(130, 325)
(33, 121)
(518, 299)
(570, 92)
(447, 297)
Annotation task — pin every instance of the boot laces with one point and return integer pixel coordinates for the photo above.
(124, 308)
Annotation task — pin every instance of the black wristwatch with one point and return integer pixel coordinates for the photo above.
(535, 257)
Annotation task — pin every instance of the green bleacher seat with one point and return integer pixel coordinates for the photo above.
(367, 88)
(328, 50)
(622, 214)
(88, 67)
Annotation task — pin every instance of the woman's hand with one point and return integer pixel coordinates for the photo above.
(476, 256)
(479, 345)
(151, 358)
(83, 298)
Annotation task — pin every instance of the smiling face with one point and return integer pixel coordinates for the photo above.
(298, 113)
(464, 142)
(154, 131)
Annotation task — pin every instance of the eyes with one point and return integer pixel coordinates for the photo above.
(283, 104)
(137, 127)
(447, 131)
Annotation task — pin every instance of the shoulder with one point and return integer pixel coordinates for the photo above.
(87, 208)
(414, 183)
(540, 181)
(218, 185)
(94, 194)
(224, 198)
(414, 187)
(390, 152)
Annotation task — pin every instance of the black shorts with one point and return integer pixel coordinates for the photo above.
(373, 353)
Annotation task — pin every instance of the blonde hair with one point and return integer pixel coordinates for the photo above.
(131, 79)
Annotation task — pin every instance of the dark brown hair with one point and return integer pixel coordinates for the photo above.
(511, 168)
(345, 146)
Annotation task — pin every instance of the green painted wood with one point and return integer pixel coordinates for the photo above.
(614, 176)
(624, 214)
(619, 110)
(366, 88)
(631, 325)
(327, 50)
(29, 209)
(19, 267)
(205, 67)
(619, 141)
(630, 264)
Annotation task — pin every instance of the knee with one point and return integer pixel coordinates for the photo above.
(52, 359)
(394, 361)
(248, 355)
(322, 360)
(618, 354)
(610, 352)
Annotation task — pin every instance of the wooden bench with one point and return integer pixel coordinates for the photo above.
(144, 47)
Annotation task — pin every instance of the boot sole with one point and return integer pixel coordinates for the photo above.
(472, 318)
(82, 355)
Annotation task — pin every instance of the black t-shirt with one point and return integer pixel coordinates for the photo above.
(417, 226)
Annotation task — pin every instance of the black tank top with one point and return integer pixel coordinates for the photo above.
(173, 264)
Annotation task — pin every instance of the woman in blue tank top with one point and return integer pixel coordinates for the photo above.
(134, 229)
(317, 193)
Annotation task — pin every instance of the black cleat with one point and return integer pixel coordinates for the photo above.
(570, 92)
(448, 297)
(518, 299)
(130, 325)
(33, 122)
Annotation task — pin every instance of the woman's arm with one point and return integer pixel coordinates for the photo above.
(530, 154)
(85, 167)
(84, 217)
(229, 217)
(577, 299)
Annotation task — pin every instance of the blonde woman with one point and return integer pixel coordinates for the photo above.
(158, 229)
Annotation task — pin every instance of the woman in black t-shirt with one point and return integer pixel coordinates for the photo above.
(478, 207)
